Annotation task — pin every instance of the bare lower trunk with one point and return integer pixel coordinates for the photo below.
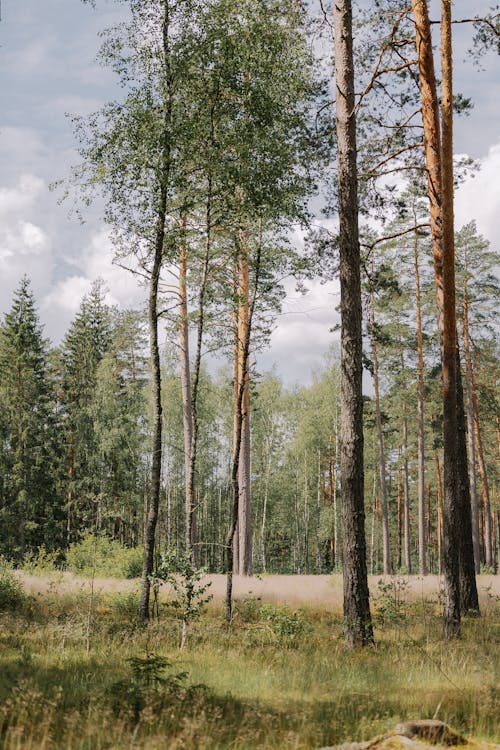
(488, 548)
(244, 508)
(238, 431)
(420, 421)
(470, 435)
(187, 405)
(358, 626)
(381, 453)
(406, 492)
(154, 499)
(439, 497)
(469, 600)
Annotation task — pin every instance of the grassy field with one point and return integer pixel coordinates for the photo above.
(78, 673)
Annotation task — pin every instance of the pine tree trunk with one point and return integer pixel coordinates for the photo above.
(439, 497)
(381, 453)
(470, 434)
(406, 492)
(469, 600)
(358, 626)
(439, 163)
(420, 421)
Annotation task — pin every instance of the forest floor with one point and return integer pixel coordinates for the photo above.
(77, 673)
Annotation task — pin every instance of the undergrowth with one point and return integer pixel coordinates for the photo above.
(278, 678)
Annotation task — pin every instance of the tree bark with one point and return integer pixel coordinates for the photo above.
(420, 421)
(459, 507)
(154, 500)
(469, 599)
(488, 549)
(358, 625)
(406, 494)
(187, 404)
(238, 430)
(386, 551)
(244, 506)
(439, 164)
(470, 432)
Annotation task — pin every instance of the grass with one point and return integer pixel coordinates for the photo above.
(280, 678)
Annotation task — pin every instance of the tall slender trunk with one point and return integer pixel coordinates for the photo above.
(406, 495)
(244, 507)
(469, 599)
(400, 515)
(488, 549)
(238, 430)
(154, 500)
(380, 441)
(187, 404)
(458, 505)
(358, 625)
(265, 503)
(470, 431)
(439, 498)
(420, 419)
(439, 164)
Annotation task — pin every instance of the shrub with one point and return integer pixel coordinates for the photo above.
(286, 624)
(103, 556)
(12, 596)
(42, 561)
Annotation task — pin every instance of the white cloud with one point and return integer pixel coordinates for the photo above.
(479, 198)
(25, 246)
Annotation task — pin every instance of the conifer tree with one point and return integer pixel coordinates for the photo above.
(28, 498)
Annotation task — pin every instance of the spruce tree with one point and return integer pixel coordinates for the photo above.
(27, 498)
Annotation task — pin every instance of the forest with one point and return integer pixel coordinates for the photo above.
(256, 146)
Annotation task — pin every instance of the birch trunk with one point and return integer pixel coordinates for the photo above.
(187, 404)
(244, 512)
(156, 440)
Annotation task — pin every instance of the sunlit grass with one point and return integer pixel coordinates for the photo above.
(277, 679)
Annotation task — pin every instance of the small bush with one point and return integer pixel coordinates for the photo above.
(12, 596)
(288, 625)
(104, 557)
(391, 608)
(41, 561)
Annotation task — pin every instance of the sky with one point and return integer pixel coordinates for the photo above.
(47, 68)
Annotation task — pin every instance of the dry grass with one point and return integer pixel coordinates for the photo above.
(279, 678)
(296, 590)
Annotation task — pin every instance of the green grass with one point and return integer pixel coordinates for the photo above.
(277, 679)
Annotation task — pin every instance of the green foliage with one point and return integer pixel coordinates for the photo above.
(391, 607)
(103, 557)
(286, 624)
(12, 595)
(42, 561)
(185, 579)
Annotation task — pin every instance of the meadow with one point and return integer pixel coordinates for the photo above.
(77, 672)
